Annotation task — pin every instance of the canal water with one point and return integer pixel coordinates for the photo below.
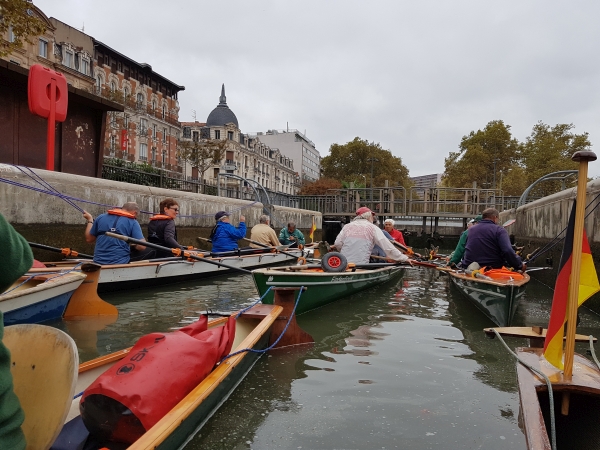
(404, 365)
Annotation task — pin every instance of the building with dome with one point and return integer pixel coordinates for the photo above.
(244, 156)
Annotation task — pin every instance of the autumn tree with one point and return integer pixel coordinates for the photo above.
(16, 16)
(484, 156)
(202, 154)
(549, 149)
(319, 187)
(351, 162)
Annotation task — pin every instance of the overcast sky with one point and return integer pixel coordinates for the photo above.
(414, 76)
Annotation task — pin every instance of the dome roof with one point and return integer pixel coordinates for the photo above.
(221, 115)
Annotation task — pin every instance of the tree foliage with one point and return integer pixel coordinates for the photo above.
(17, 15)
(351, 162)
(549, 149)
(319, 187)
(482, 157)
(202, 154)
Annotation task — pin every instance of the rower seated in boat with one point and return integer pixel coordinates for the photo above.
(263, 233)
(292, 236)
(121, 221)
(357, 239)
(458, 253)
(224, 235)
(161, 228)
(488, 244)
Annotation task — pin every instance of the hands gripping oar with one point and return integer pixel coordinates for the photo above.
(68, 252)
(174, 251)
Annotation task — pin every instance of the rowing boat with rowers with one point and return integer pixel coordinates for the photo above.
(156, 272)
(496, 293)
(322, 285)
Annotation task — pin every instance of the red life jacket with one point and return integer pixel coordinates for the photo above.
(120, 212)
(159, 371)
(161, 217)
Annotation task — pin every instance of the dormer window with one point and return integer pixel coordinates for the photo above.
(69, 59)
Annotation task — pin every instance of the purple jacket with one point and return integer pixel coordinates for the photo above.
(488, 245)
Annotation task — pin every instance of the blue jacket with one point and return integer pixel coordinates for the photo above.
(226, 236)
(488, 245)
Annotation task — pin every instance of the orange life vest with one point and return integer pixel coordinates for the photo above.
(120, 212)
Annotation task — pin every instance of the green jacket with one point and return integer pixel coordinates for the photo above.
(459, 251)
(17, 259)
(284, 236)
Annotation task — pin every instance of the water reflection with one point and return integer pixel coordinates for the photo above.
(403, 365)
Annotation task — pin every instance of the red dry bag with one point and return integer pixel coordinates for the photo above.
(159, 371)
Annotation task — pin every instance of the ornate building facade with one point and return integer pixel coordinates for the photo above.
(148, 130)
(245, 156)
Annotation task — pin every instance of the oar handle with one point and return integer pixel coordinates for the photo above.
(64, 251)
(405, 249)
(174, 251)
(271, 247)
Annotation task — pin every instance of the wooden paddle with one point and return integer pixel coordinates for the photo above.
(405, 249)
(68, 252)
(44, 368)
(85, 301)
(174, 251)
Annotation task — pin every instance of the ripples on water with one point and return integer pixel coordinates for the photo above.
(404, 365)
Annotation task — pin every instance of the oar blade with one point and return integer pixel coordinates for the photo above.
(85, 301)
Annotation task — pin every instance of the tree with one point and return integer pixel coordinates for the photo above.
(319, 187)
(16, 15)
(549, 150)
(350, 163)
(202, 154)
(482, 157)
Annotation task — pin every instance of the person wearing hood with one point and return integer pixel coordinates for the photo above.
(357, 239)
(161, 228)
(224, 235)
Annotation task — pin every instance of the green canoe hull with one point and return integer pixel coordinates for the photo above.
(497, 300)
(322, 287)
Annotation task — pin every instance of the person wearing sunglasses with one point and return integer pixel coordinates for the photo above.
(161, 228)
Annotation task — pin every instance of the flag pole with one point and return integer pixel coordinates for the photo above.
(582, 157)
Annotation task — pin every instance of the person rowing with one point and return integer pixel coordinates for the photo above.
(458, 253)
(262, 233)
(118, 220)
(357, 239)
(388, 225)
(224, 235)
(161, 228)
(488, 244)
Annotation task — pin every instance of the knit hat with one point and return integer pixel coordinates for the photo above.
(221, 214)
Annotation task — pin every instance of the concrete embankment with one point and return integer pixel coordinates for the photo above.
(540, 222)
(50, 220)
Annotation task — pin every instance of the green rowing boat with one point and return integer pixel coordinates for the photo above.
(497, 299)
(322, 287)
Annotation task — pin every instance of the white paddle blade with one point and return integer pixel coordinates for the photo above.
(44, 366)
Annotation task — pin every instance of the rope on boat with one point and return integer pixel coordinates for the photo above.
(548, 384)
(280, 336)
(593, 352)
(49, 190)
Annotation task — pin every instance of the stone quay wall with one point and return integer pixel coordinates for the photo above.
(50, 220)
(539, 222)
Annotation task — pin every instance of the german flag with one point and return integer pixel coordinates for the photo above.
(588, 286)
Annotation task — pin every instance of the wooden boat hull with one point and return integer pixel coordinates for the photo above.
(578, 429)
(322, 287)
(498, 300)
(188, 416)
(39, 300)
(147, 274)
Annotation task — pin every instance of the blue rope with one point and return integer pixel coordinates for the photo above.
(78, 395)
(253, 304)
(277, 340)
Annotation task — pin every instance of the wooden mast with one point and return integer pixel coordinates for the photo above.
(583, 157)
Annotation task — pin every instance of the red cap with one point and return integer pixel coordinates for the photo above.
(363, 210)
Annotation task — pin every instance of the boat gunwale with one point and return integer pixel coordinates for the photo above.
(506, 283)
(269, 271)
(54, 282)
